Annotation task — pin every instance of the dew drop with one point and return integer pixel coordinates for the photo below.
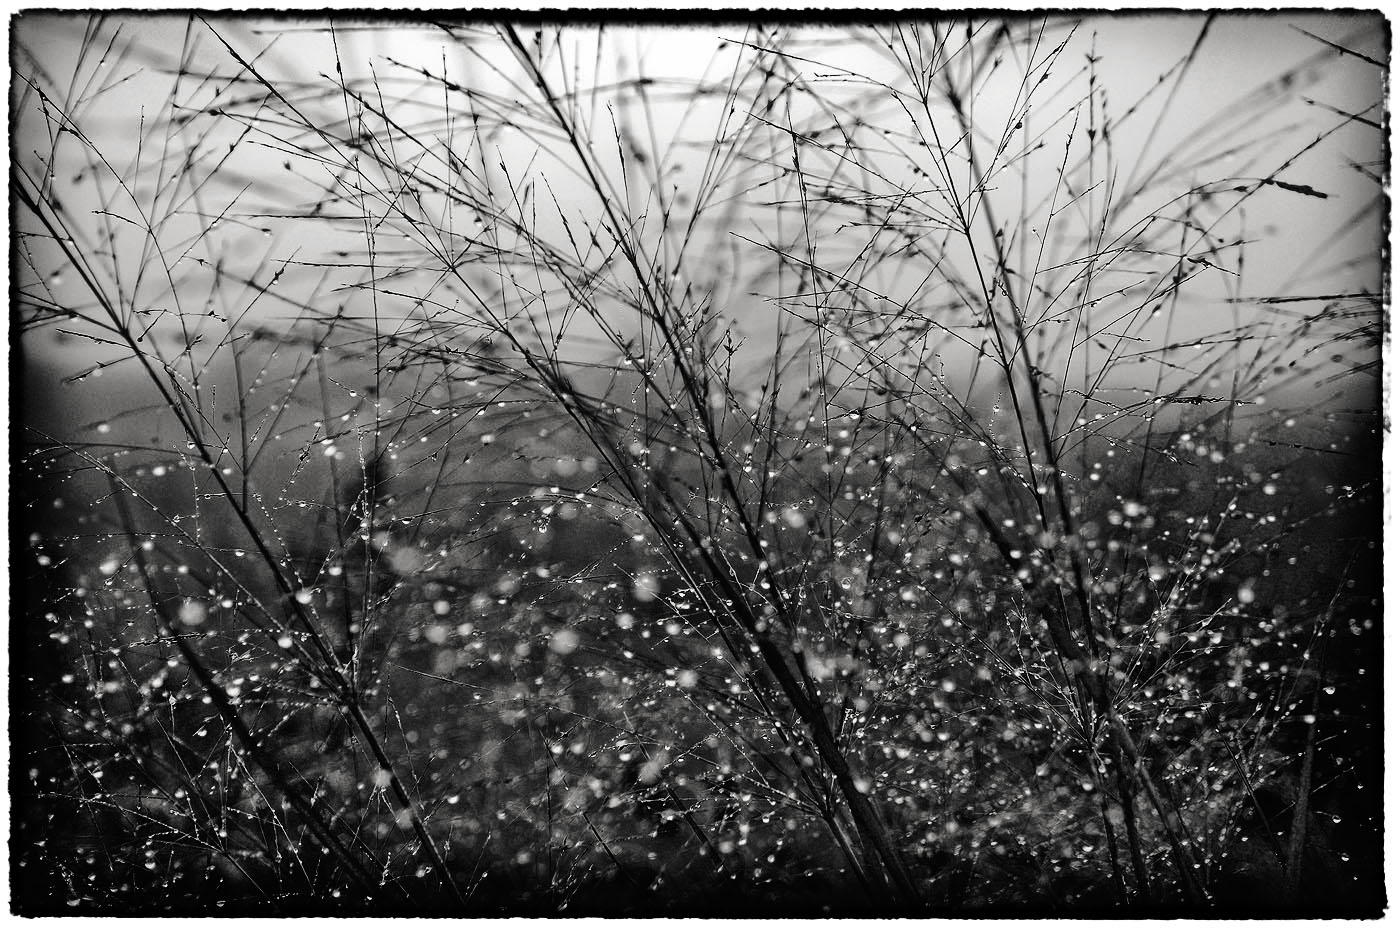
(193, 612)
(563, 641)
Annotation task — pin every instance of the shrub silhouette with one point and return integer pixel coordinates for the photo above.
(848, 481)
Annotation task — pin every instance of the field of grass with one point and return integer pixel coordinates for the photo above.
(521, 469)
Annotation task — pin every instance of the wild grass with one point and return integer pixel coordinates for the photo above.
(864, 476)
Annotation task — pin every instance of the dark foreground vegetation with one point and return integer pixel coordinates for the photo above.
(890, 471)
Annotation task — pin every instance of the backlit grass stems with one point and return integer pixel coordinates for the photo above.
(870, 444)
